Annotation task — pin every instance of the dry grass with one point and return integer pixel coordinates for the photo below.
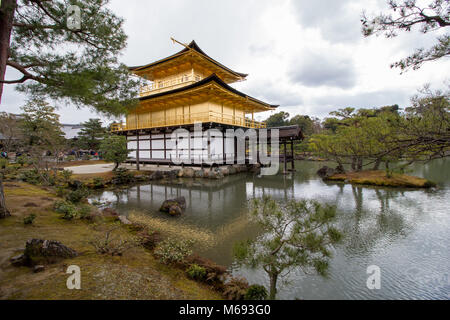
(89, 177)
(135, 275)
(173, 228)
(379, 178)
(203, 239)
(106, 176)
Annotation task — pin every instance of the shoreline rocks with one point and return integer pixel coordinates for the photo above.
(326, 172)
(203, 173)
(124, 220)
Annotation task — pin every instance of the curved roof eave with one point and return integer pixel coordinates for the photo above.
(193, 45)
(211, 78)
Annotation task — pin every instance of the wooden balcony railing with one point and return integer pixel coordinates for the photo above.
(159, 86)
(145, 122)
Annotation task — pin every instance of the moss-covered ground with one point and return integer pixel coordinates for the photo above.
(134, 275)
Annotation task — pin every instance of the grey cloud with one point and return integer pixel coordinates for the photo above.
(222, 30)
(314, 69)
(335, 19)
(282, 98)
(274, 94)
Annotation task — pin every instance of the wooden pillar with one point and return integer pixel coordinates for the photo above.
(150, 143)
(235, 149)
(257, 147)
(223, 147)
(208, 143)
(191, 161)
(285, 157)
(137, 151)
(164, 139)
(293, 158)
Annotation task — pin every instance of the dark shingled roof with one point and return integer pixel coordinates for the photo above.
(193, 45)
(211, 78)
(288, 132)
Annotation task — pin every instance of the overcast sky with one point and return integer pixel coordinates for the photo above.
(307, 56)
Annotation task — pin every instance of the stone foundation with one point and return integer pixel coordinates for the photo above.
(165, 171)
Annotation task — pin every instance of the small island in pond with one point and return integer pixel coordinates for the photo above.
(381, 178)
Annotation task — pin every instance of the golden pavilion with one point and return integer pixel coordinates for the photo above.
(183, 89)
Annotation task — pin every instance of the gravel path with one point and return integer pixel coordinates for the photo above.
(93, 168)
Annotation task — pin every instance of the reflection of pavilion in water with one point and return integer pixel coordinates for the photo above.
(215, 206)
(210, 203)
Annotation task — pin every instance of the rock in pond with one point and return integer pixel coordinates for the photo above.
(175, 210)
(174, 206)
(325, 172)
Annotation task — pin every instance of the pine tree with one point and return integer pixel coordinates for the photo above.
(296, 235)
(91, 134)
(66, 51)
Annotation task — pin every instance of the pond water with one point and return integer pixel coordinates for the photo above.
(405, 232)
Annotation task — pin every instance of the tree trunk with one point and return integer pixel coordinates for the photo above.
(340, 165)
(7, 9)
(6, 20)
(360, 164)
(273, 286)
(354, 164)
(4, 212)
(377, 164)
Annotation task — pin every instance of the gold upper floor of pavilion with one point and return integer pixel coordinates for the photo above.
(169, 84)
(190, 87)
